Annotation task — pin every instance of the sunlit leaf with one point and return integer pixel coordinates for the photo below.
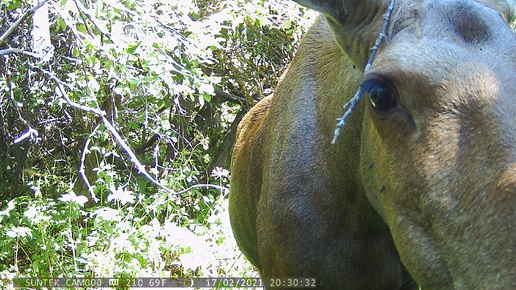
(131, 48)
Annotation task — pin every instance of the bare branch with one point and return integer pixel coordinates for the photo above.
(81, 167)
(31, 133)
(350, 106)
(227, 96)
(19, 51)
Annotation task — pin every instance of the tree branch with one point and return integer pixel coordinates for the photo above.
(350, 106)
(81, 168)
(229, 97)
(19, 51)
(147, 144)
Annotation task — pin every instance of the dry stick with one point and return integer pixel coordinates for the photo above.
(19, 21)
(350, 106)
(120, 141)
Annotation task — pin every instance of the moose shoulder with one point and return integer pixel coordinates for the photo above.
(421, 186)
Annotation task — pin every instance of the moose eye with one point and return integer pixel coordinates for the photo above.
(381, 96)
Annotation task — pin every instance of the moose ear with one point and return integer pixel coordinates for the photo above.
(355, 24)
(335, 9)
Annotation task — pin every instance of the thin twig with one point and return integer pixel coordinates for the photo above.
(350, 106)
(221, 188)
(81, 167)
(19, 21)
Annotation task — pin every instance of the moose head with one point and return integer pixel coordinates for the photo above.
(422, 182)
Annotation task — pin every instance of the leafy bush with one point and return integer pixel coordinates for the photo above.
(116, 138)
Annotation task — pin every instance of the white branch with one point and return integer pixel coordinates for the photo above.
(81, 168)
(41, 32)
(19, 51)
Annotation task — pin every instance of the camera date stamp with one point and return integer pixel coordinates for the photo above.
(147, 282)
(291, 282)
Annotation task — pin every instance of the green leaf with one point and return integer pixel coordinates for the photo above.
(108, 64)
(82, 28)
(132, 47)
(133, 125)
(60, 25)
(13, 5)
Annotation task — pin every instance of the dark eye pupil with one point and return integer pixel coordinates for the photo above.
(380, 96)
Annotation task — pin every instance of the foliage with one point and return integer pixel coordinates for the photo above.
(133, 87)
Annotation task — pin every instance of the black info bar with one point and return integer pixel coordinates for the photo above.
(195, 282)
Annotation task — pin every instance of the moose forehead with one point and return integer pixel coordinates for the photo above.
(460, 21)
(439, 41)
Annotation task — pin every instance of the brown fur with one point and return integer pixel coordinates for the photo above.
(428, 186)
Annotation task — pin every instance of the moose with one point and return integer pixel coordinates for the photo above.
(420, 188)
